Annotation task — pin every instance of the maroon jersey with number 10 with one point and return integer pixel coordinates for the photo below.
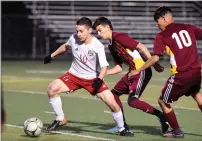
(179, 42)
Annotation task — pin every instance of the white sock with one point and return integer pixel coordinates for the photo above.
(118, 117)
(56, 104)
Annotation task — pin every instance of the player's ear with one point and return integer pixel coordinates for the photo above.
(108, 28)
(90, 30)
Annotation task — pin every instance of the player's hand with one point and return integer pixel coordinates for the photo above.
(97, 84)
(158, 67)
(47, 59)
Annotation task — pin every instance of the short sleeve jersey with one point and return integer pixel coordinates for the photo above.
(87, 58)
(123, 50)
(179, 42)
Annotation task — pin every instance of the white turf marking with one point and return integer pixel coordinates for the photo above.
(108, 112)
(66, 133)
(47, 112)
(43, 93)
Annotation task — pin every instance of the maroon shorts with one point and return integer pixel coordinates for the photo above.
(74, 83)
(135, 85)
(183, 83)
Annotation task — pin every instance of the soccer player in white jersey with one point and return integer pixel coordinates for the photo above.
(87, 52)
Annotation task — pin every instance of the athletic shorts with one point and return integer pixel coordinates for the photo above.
(135, 85)
(74, 83)
(181, 84)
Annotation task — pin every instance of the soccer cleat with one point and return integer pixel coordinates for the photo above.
(126, 133)
(116, 129)
(56, 124)
(174, 133)
(113, 130)
(164, 126)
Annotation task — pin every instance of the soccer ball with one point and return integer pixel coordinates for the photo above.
(33, 127)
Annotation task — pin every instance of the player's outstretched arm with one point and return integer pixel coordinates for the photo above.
(60, 50)
(144, 50)
(116, 69)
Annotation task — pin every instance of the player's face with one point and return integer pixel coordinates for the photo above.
(103, 31)
(161, 23)
(83, 32)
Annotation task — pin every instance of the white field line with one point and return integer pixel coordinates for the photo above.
(108, 112)
(47, 112)
(43, 93)
(66, 133)
(62, 72)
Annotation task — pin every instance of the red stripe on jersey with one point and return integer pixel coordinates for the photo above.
(123, 55)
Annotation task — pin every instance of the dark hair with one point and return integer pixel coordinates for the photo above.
(84, 21)
(102, 21)
(161, 11)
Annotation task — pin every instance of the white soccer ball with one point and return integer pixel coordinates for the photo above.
(33, 127)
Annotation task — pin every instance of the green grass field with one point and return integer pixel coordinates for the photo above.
(25, 84)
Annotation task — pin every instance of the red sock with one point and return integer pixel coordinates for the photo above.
(172, 120)
(200, 106)
(118, 101)
(117, 98)
(141, 105)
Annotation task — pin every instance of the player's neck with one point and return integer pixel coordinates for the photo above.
(88, 40)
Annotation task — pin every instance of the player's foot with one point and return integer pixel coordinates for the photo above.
(113, 130)
(174, 133)
(116, 129)
(164, 126)
(56, 124)
(126, 133)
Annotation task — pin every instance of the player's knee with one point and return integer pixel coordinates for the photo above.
(160, 101)
(53, 89)
(113, 105)
(131, 101)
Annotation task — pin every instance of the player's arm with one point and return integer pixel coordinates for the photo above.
(116, 69)
(159, 48)
(60, 50)
(103, 64)
(144, 50)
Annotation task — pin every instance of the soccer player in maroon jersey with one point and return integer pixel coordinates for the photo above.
(179, 41)
(124, 49)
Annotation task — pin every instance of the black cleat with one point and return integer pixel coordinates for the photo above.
(126, 133)
(164, 126)
(56, 124)
(126, 126)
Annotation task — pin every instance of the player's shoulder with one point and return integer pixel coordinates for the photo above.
(116, 35)
(96, 41)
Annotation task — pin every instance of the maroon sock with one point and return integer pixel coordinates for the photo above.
(141, 105)
(118, 101)
(172, 120)
(200, 106)
(117, 98)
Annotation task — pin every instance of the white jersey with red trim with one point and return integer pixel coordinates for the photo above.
(86, 57)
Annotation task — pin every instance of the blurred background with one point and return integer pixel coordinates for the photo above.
(33, 29)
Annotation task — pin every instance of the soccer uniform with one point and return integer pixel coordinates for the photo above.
(123, 50)
(179, 42)
(84, 67)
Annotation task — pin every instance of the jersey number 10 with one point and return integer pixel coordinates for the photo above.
(186, 42)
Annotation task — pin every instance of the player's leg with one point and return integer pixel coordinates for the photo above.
(198, 98)
(137, 85)
(120, 88)
(172, 120)
(107, 97)
(194, 91)
(173, 89)
(55, 88)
